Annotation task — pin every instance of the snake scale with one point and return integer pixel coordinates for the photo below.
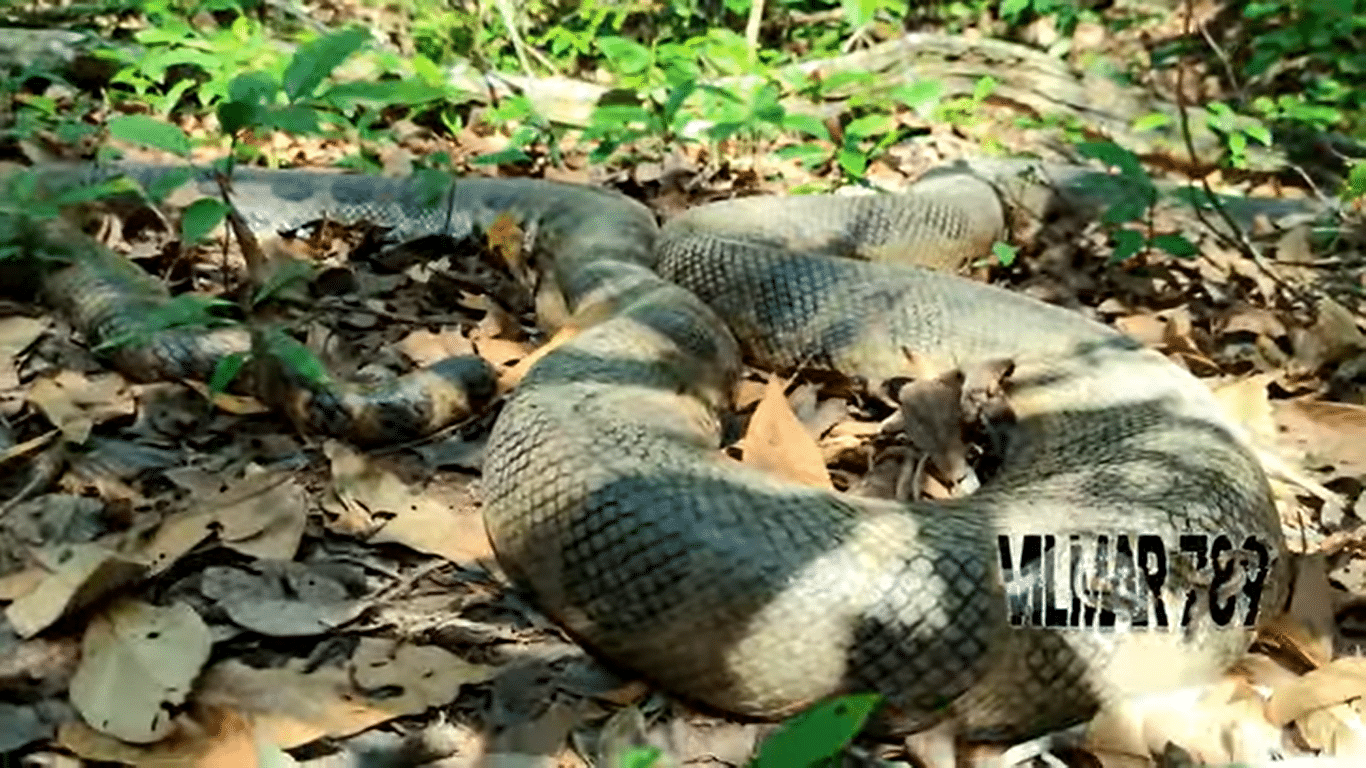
(606, 495)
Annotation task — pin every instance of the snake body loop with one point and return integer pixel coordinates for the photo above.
(607, 496)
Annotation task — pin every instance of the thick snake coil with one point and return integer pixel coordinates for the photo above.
(607, 495)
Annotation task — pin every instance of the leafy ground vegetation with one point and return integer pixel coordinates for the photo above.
(188, 580)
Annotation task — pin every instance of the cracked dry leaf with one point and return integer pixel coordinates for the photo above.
(424, 675)
(777, 441)
(75, 403)
(79, 575)
(137, 661)
(281, 599)
(373, 503)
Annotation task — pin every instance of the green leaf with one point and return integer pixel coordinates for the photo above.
(853, 162)
(298, 359)
(1259, 132)
(296, 118)
(226, 371)
(505, 156)
(807, 124)
(200, 217)
(150, 132)
(869, 125)
(1011, 9)
(1114, 155)
(1152, 121)
(285, 275)
(1005, 253)
(254, 88)
(677, 96)
(1176, 244)
(809, 155)
(236, 115)
(1127, 243)
(314, 61)
(626, 56)
(817, 734)
(169, 182)
(922, 95)
(1355, 186)
(983, 88)
(640, 757)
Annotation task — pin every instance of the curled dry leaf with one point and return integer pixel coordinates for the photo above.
(79, 575)
(137, 662)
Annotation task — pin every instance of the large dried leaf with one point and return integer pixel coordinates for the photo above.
(372, 502)
(79, 575)
(1328, 433)
(281, 598)
(137, 661)
(75, 403)
(1341, 680)
(778, 442)
(422, 676)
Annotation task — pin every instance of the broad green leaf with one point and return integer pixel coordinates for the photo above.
(817, 734)
(677, 96)
(1005, 253)
(1176, 244)
(1152, 121)
(225, 372)
(1259, 132)
(627, 56)
(869, 125)
(640, 757)
(233, 116)
(1112, 154)
(506, 156)
(168, 182)
(298, 359)
(807, 124)
(1011, 9)
(314, 61)
(1127, 243)
(254, 88)
(921, 95)
(853, 162)
(150, 132)
(809, 155)
(200, 217)
(295, 118)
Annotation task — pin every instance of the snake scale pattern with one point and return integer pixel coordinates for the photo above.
(606, 494)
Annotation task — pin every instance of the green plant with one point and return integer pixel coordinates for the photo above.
(1131, 194)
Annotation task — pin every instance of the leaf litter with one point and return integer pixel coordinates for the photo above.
(349, 593)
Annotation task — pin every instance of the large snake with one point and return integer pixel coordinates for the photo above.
(607, 496)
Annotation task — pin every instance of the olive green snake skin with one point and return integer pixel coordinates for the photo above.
(607, 495)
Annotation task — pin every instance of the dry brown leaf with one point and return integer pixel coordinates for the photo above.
(424, 676)
(281, 598)
(137, 662)
(1336, 731)
(1333, 337)
(15, 585)
(777, 442)
(233, 745)
(424, 347)
(261, 515)
(291, 707)
(1308, 628)
(179, 750)
(384, 508)
(16, 334)
(1327, 432)
(1246, 402)
(78, 575)
(75, 403)
(1338, 681)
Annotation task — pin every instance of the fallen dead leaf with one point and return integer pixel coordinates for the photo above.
(1332, 434)
(16, 334)
(138, 661)
(79, 574)
(376, 504)
(1338, 681)
(75, 403)
(280, 598)
(777, 441)
(423, 675)
(424, 347)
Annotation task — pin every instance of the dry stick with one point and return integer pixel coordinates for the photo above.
(1239, 239)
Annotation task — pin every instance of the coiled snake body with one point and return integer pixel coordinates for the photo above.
(606, 494)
